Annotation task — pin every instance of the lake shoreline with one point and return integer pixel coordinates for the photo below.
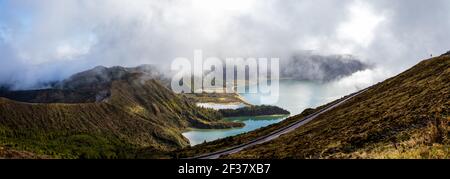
(225, 118)
(198, 136)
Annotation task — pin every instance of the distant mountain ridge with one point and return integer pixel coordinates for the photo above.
(88, 86)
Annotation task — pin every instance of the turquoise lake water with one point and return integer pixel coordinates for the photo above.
(294, 96)
(198, 136)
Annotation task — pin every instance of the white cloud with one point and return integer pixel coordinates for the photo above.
(356, 82)
(392, 34)
(360, 29)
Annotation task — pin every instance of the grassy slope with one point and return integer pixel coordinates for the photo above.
(403, 117)
(8, 153)
(139, 114)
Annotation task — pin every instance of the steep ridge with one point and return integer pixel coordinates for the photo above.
(134, 111)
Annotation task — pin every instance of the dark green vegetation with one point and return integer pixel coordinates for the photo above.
(123, 113)
(406, 116)
(262, 110)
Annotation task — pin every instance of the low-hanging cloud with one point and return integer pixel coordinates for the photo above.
(47, 40)
(319, 68)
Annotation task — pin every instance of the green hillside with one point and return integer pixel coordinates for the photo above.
(136, 113)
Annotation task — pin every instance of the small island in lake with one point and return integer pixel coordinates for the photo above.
(262, 110)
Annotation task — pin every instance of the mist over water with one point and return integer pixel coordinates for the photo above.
(296, 96)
